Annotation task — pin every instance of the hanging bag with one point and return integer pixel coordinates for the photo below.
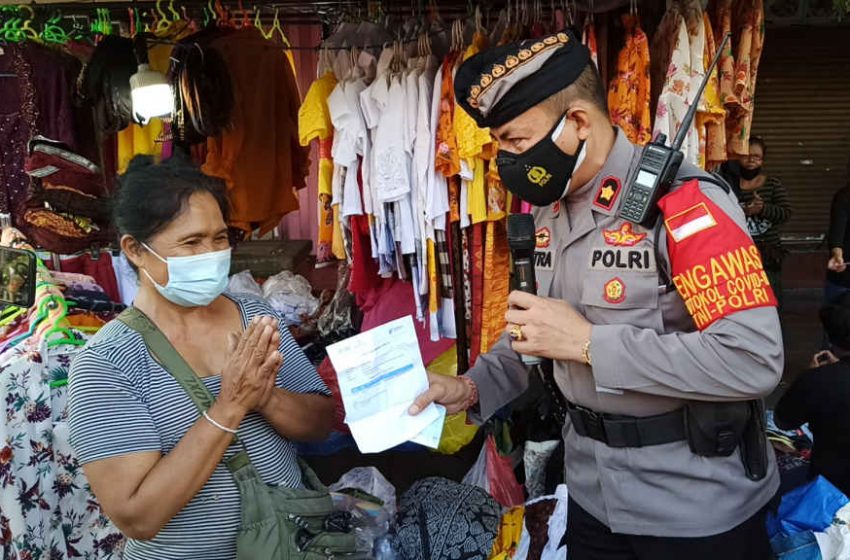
(278, 523)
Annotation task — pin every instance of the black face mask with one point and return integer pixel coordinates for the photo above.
(541, 174)
(750, 174)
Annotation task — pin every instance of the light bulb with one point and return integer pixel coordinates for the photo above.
(151, 94)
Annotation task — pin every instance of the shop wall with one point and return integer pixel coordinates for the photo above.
(803, 113)
(304, 223)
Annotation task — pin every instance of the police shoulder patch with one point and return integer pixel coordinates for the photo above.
(609, 191)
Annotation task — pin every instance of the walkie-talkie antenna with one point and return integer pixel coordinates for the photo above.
(692, 110)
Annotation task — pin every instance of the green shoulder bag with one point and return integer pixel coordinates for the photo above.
(278, 523)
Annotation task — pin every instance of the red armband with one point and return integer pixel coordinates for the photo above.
(716, 267)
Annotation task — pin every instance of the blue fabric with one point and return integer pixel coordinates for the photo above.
(800, 546)
(807, 508)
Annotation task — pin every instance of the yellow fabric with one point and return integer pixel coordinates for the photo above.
(457, 431)
(314, 118)
(338, 242)
(510, 533)
(433, 281)
(146, 140)
(496, 284)
(470, 139)
(711, 123)
(477, 193)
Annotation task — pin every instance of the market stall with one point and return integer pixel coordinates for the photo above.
(335, 120)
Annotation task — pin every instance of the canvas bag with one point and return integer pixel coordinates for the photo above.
(278, 523)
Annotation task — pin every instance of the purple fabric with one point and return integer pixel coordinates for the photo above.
(54, 76)
(18, 116)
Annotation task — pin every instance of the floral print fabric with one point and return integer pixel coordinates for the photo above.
(47, 510)
(629, 94)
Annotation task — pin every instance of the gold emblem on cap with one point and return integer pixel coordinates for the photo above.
(525, 54)
(498, 71)
(539, 176)
(511, 61)
(486, 80)
(563, 37)
(537, 47)
(550, 40)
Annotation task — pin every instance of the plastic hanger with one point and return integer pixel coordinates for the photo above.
(26, 29)
(162, 23)
(175, 15)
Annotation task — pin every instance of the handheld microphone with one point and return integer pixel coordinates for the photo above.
(521, 239)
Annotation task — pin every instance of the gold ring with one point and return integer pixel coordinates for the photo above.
(516, 333)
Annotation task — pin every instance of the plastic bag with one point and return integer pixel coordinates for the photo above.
(536, 457)
(244, 283)
(291, 295)
(457, 431)
(371, 481)
(336, 323)
(807, 508)
(495, 474)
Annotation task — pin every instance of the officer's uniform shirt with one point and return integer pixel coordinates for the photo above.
(649, 356)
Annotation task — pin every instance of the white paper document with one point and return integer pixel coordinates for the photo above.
(380, 374)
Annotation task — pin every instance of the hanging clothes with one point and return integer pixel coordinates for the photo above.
(314, 123)
(749, 17)
(629, 93)
(259, 157)
(589, 39)
(711, 118)
(676, 92)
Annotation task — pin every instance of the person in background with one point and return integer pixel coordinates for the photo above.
(155, 464)
(821, 397)
(765, 203)
(838, 277)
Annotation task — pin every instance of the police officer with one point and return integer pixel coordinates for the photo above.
(663, 339)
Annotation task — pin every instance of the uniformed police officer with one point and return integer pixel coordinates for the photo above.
(663, 339)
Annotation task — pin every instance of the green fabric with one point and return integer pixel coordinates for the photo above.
(275, 520)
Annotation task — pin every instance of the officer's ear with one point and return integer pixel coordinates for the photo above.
(578, 116)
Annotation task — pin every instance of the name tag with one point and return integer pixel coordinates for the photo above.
(543, 260)
(618, 258)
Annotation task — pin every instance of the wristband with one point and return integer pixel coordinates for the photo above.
(473, 392)
(217, 425)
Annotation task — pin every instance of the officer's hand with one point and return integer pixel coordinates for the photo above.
(551, 328)
(448, 391)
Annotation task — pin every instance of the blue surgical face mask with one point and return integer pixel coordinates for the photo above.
(193, 281)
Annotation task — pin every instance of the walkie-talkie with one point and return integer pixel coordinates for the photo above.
(659, 164)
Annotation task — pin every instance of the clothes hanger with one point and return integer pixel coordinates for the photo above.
(53, 32)
(26, 28)
(163, 23)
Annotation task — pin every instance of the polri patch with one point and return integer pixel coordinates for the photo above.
(614, 291)
(622, 259)
(623, 237)
(609, 191)
(716, 267)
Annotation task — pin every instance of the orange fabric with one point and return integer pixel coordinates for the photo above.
(496, 284)
(85, 320)
(259, 157)
(447, 159)
(589, 39)
(433, 280)
(629, 94)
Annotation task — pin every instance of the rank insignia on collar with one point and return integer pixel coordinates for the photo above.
(614, 291)
(623, 237)
(609, 191)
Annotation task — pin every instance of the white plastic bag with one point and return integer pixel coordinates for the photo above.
(244, 283)
(292, 296)
(371, 481)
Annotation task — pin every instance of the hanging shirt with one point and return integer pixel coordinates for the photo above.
(314, 122)
(48, 508)
(711, 119)
(676, 94)
(260, 156)
(629, 94)
(589, 39)
(750, 40)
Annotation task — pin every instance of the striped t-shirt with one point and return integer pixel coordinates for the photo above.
(121, 402)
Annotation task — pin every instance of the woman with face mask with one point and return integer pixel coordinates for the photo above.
(155, 463)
